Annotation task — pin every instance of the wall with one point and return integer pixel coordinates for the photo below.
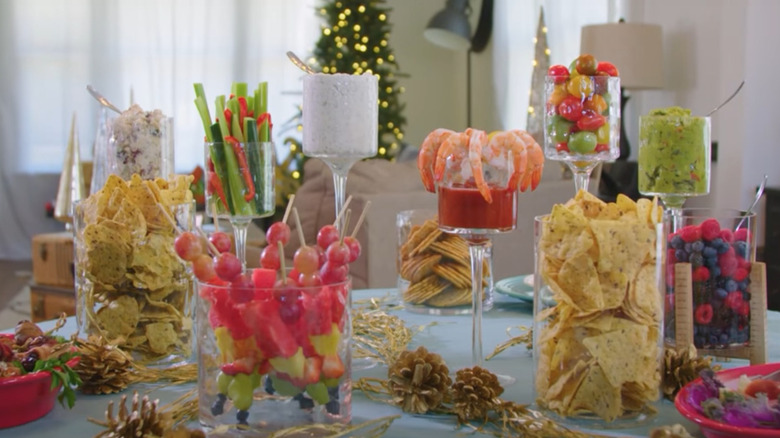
(709, 47)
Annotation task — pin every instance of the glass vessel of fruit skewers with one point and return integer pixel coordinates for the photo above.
(582, 116)
(340, 116)
(674, 158)
(239, 157)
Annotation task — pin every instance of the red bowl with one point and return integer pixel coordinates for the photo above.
(715, 429)
(28, 397)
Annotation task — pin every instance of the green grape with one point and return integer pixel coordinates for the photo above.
(223, 380)
(240, 391)
(284, 387)
(318, 392)
(583, 142)
(559, 128)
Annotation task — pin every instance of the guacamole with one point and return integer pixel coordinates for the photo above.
(674, 153)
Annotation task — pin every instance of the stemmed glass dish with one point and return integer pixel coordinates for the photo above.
(674, 157)
(240, 185)
(340, 116)
(582, 122)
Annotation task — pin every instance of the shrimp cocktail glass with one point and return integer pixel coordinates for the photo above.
(239, 157)
(477, 179)
(674, 157)
(340, 117)
(582, 116)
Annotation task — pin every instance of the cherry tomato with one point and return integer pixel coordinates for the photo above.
(703, 314)
(590, 120)
(608, 68)
(601, 147)
(570, 108)
(586, 64)
(559, 72)
(580, 86)
(602, 134)
(556, 96)
(595, 103)
(562, 147)
(559, 129)
(600, 83)
(768, 387)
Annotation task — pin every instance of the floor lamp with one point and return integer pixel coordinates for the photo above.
(450, 28)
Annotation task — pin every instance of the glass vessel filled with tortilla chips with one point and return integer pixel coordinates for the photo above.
(434, 270)
(598, 326)
(130, 284)
(273, 354)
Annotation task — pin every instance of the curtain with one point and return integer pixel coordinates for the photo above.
(515, 24)
(150, 51)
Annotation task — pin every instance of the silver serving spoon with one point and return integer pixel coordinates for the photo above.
(300, 64)
(759, 193)
(727, 100)
(103, 101)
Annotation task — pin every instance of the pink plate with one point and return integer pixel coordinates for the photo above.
(28, 397)
(715, 429)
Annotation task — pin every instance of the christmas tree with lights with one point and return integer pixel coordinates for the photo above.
(354, 40)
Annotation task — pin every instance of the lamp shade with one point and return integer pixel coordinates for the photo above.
(450, 27)
(636, 49)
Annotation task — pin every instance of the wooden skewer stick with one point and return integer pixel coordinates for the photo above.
(298, 227)
(289, 207)
(343, 209)
(170, 219)
(360, 219)
(343, 232)
(212, 249)
(282, 264)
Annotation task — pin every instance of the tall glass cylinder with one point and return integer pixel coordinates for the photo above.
(141, 142)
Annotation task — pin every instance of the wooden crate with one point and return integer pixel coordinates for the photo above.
(48, 302)
(52, 259)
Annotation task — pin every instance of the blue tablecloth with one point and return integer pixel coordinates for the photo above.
(450, 337)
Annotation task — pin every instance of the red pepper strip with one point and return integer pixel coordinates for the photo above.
(244, 167)
(242, 111)
(214, 184)
(262, 118)
(228, 116)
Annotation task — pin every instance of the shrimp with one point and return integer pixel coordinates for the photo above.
(495, 154)
(477, 142)
(426, 158)
(453, 148)
(533, 170)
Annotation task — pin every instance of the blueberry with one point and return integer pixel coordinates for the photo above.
(696, 260)
(704, 330)
(724, 338)
(743, 285)
(710, 252)
(697, 246)
(333, 392)
(723, 248)
(219, 405)
(721, 282)
(710, 262)
(731, 285)
(715, 331)
(715, 271)
(716, 242)
(677, 242)
(269, 386)
(741, 248)
(241, 417)
(688, 247)
(333, 407)
(681, 255)
(304, 402)
(698, 341)
(714, 339)
(733, 333)
(721, 293)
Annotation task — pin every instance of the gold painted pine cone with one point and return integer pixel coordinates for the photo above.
(103, 367)
(143, 420)
(680, 368)
(475, 393)
(419, 381)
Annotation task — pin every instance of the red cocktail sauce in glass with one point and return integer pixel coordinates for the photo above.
(464, 207)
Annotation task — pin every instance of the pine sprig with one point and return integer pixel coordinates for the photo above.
(61, 375)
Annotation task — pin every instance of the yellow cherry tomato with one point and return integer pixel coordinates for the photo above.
(580, 86)
(602, 134)
(595, 103)
(558, 94)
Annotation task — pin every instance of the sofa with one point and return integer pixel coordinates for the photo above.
(392, 187)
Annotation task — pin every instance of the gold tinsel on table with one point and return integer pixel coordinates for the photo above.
(419, 381)
(376, 334)
(673, 431)
(526, 338)
(680, 368)
(475, 393)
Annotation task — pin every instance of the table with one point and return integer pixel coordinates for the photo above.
(450, 337)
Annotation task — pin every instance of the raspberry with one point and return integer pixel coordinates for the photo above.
(727, 265)
(742, 234)
(744, 309)
(727, 235)
(700, 274)
(690, 233)
(710, 229)
(670, 258)
(734, 300)
(740, 274)
(703, 314)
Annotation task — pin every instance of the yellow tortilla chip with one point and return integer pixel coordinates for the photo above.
(579, 280)
(623, 246)
(596, 395)
(161, 336)
(620, 352)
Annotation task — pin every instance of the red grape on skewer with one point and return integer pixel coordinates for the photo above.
(327, 235)
(269, 258)
(227, 266)
(306, 260)
(354, 248)
(187, 246)
(338, 253)
(278, 232)
(203, 268)
(221, 241)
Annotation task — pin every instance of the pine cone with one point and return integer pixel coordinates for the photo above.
(143, 420)
(419, 381)
(681, 367)
(183, 432)
(475, 393)
(103, 367)
(674, 431)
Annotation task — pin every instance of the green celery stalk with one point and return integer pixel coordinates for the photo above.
(223, 126)
(262, 106)
(254, 159)
(263, 97)
(236, 183)
(236, 128)
(217, 155)
(205, 117)
(238, 89)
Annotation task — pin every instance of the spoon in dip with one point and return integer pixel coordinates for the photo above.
(750, 209)
(103, 101)
(727, 100)
(300, 64)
